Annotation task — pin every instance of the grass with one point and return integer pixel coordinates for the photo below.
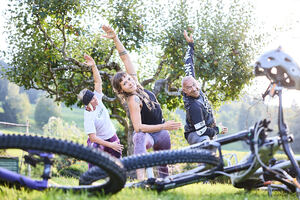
(190, 192)
(74, 115)
(193, 191)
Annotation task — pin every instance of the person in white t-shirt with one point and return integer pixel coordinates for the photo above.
(97, 123)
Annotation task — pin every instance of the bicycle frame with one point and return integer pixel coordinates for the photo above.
(41, 150)
(247, 173)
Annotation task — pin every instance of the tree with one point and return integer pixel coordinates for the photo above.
(16, 106)
(3, 81)
(45, 108)
(33, 94)
(3, 89)
(47, 40)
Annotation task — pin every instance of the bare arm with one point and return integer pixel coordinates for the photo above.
(122, 51)
(96, 75)
(135, 116)
(114, 145)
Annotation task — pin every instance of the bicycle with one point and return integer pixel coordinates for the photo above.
(44, 150)
(257, 170)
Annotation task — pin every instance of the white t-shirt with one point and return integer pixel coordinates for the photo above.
(98, 121)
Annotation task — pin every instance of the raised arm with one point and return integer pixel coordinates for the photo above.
(189, 56)
(122, 51)
(97, 78)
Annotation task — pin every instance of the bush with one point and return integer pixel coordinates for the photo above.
(45, 109)
(177, 137)
(16, 106)
(56, 127)
(33, 94)
(3, 89)
(73, 171)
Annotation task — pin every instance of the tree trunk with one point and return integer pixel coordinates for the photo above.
(129, 139)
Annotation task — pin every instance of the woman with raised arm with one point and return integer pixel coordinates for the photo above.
(150, 130)
(97, 124)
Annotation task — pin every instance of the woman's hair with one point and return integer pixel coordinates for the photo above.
(116, 83)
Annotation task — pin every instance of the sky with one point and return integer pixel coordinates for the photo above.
(281, 13)
(270, 13)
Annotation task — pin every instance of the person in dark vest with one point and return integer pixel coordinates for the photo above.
(150, 129)
(200, 122)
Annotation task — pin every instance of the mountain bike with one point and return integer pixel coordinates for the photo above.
(259, 169)
(44, 154)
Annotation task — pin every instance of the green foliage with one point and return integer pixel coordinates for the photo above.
(224, 46)
(73, 115)
(33, 94)
(293, 119)
(16, 106)
(45, 108)
(128, 18)
(47, 40)
(3, 89)
(50, 35)
(177, 137)
(74, 170)
(238, 116)
(56, 127)
(46, 37)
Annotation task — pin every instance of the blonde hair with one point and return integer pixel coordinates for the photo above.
(81, 94)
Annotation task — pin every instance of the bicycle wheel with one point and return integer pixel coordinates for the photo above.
(112, 166)
(154, 159)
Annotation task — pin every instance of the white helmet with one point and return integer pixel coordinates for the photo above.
(279, 67)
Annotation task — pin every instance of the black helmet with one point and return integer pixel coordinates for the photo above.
(279, 67)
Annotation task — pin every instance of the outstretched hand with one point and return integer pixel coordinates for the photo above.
(171, 125)
(189, 39)
(89, 61)
(109, 31)
(223, 129)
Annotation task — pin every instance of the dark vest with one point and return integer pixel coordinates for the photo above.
(153, 116)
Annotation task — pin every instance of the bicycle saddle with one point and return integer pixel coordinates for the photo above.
(279, 67)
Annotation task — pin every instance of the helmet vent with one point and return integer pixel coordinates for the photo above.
(287, 60)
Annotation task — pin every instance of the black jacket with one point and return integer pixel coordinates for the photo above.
(199, 115)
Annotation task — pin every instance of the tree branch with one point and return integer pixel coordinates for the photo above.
(109, 99)
(158, 70)
(46, 35)
(110, 54)
(162, 85)
(121, 120)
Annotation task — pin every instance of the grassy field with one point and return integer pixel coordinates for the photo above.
(190, 192)
(74, 115)
(194, 191)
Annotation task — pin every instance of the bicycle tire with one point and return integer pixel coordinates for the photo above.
(154, 159)
(112, 166)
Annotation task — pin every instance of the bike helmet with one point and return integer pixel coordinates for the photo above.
(279, 67)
